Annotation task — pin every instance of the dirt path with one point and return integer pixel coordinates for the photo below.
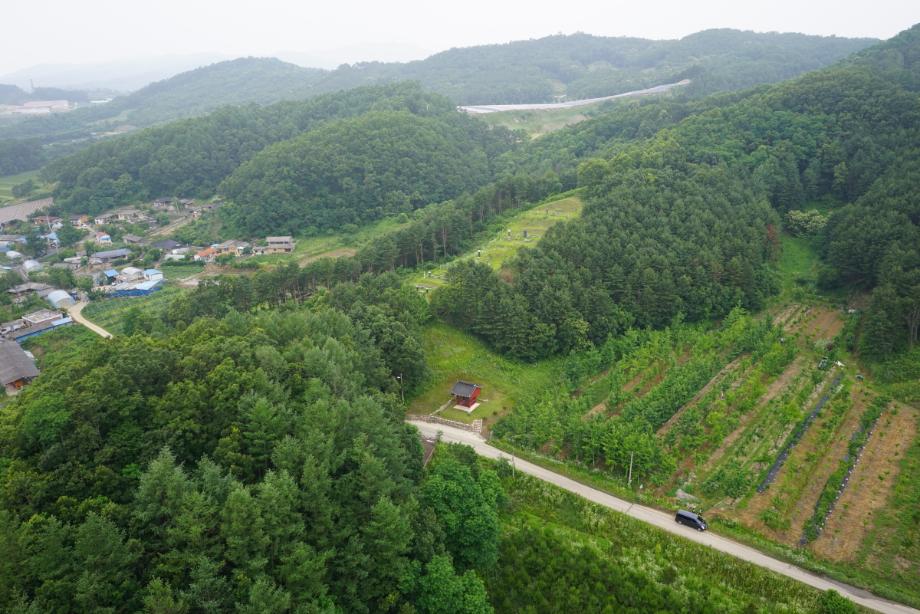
(664, 520)
(75, 312)
(870, 486)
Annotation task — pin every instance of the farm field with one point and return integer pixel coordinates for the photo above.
(453, 355)
(7, 183)
(334, 245)
(509, 238)
(765, 423)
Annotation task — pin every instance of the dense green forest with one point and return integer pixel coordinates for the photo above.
(577, 66)
(686, 221)
(256, 462)
(356, 170)
(192, 157)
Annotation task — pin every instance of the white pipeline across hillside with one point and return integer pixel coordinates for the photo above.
(497, 108)
(665, 521)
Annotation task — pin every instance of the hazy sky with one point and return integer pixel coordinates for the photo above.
(79, 31)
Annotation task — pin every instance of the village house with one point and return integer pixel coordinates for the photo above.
(166, 245)
(130, 273)
(279, 245)
(206, 255)
(234, 247)
(16, 367)
(162, 203)
(133, 239)
(21, 293)
(103, 238)
(104, 218)
(48, 221)
(33, 324)
(110, 255)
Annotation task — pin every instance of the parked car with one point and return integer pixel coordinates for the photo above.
(691, 520)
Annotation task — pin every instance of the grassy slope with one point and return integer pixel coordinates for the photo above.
(452, 355)
(509, 237)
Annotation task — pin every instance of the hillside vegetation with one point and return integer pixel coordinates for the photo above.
(357, 170)
(577, 66)
(192, 157)
(686, 222)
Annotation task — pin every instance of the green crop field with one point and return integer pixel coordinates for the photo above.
(710, 413)
(510, 237)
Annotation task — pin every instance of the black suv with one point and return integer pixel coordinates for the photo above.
(691, 520)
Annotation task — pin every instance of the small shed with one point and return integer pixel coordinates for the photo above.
(465, 393)
(153, 274)
(16, 368)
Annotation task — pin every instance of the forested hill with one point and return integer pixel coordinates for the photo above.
(235, 82)
(576, 66)
(193, 156)
(356, 170)
(585, 66)
(687, 221)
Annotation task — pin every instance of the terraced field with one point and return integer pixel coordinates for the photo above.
(766, 423)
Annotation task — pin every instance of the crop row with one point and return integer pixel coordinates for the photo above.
(838, 480)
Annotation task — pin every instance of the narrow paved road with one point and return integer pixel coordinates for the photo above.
(75, 312)
(480, 109)
(665, 521)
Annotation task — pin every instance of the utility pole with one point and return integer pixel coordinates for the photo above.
(401, 394)
(629, 481)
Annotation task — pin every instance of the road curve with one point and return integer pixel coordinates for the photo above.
(479, 109)
(665, 521)
(75, 312)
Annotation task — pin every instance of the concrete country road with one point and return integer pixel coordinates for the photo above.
(664, 521)
(480, 109)
(74, 311)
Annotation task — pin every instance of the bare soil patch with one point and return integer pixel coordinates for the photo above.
(870, 486)
(821, 323)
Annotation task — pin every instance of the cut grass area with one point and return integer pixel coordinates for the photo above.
(453, 355)
(109, 313)
(509, 237)
(798, 264)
